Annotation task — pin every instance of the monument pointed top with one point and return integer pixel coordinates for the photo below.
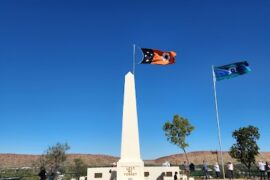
(129, 74)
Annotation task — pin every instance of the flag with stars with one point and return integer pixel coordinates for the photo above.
(231, 70)
(153, 56)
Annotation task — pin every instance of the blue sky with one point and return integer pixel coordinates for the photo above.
(62, 67)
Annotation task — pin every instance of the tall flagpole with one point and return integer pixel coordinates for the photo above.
(218, 126)
(134, 57)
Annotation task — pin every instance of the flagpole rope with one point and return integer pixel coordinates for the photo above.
(138, 47)
(218, 124)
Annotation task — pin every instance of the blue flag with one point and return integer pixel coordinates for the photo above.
(231, 70)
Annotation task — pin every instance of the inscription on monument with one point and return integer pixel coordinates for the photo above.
(130, 171)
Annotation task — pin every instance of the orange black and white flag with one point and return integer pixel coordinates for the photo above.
(153, 56)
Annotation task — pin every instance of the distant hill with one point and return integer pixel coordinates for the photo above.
(25, 160)
(22, 160)
(210, 157)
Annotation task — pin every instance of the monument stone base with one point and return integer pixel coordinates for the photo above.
(150, 173)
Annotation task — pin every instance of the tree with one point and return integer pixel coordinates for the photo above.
(55, 156)
(41, 162)
(246, 149)
(177, 131)
(79, 168)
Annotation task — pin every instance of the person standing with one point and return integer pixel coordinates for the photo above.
(217, 170)
(267, 169)
(191, 168)
(261, 166)
(42, 173)
(230, 169)
(205, 170)
(52, 175)
(175, 176)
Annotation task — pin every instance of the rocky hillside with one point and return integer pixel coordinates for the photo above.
(20, 160)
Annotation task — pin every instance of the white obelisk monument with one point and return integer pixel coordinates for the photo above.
(130, 166)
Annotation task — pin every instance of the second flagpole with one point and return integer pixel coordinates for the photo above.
(218, 125)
